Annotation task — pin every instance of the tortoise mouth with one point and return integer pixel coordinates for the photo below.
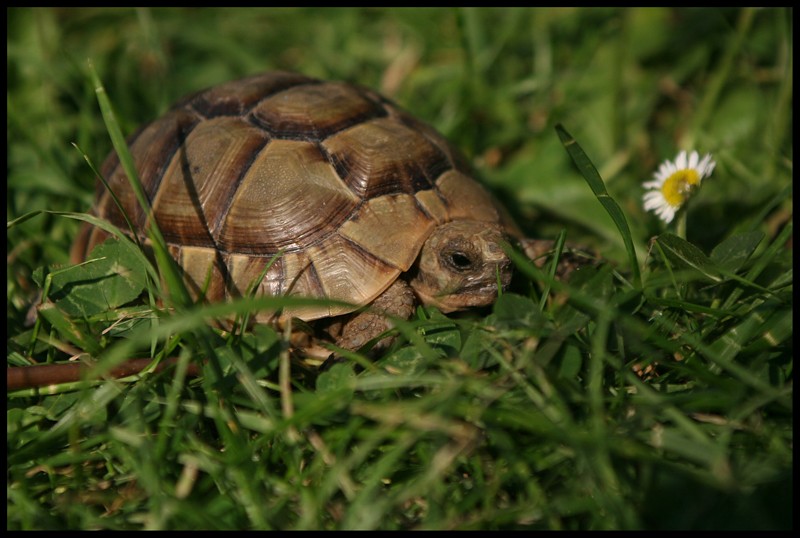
(463, 295)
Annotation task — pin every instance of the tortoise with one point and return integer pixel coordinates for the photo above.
(351, 197)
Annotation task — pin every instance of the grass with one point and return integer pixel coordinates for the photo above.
(598, 404)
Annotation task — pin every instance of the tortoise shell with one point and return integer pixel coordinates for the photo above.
(337, 181)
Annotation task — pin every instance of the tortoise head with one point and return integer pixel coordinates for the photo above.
(459, 265)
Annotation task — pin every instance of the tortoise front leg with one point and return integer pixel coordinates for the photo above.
(398, 301)
(572, 258)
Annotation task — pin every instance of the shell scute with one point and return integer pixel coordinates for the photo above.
(237, 97)
(198, 185)
(289, 198)
(392, 228)
(384, 157)
(314, 111)
(152, 150)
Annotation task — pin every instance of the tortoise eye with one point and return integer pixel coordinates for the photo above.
(458, 261)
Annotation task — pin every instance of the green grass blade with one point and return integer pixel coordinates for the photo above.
(166, 264)
(592, 177)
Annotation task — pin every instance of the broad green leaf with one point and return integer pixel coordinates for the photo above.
(472, 352)
(687, 255)
(407, 361)
(340, 377)
(68, 329)
(111, 277)
(444, 334)
(571, 363)
(733, 252)
(514, 310)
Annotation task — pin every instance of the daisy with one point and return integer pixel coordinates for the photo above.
(674, 182)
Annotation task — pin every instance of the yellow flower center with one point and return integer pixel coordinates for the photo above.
(679, 185)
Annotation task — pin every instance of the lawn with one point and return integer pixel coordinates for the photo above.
(652, 390)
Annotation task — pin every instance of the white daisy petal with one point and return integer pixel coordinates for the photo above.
(653, 203)
(693, 160)
(680, 162)
(666, 170)
(651, 195)
(706, 166)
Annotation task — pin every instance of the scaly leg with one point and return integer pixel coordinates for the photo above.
(398, 301)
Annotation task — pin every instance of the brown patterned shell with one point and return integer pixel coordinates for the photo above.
(344, 182)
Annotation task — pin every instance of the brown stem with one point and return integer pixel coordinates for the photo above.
(24, 377)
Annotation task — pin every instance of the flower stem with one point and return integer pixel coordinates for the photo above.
(680, 224)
